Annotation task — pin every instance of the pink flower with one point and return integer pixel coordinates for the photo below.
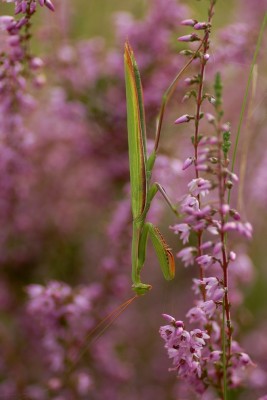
(215, 355)
(199, 186)
(190, 203)
(187, 255)
(209, 308)
(205, 261)
(183, 230)
(242, 228)
(195, 315)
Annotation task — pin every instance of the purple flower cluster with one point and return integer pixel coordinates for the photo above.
(206, 213)
(185, 350)
(17, 64)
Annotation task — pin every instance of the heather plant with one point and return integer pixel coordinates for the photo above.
(208, 356)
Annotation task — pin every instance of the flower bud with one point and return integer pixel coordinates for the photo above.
(189, 22)
(188, 162)
(232, 256)
(189, 38)
(182, 119)
(49, 5)
(201, 25)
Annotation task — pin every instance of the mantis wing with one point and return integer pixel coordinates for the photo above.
(136, 134)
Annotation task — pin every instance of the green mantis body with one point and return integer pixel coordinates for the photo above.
(142, 191)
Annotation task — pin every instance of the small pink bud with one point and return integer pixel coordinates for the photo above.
(226, 127)
(206, 245)
(23, 21)
(39, 80)
(201, 25)
(179, 324)
(49, 5)
(169, 318)
(18, 8)
(189, 38)
(225, 209)
(234, 214)
(188, 81)
(24, 5)
(210, 117)
(232, 255)
(36, 63)
(182, 119)
(188, 162)
(234, 177)
(14, 40)
(206, 57)
(189, 22)
(32, 7)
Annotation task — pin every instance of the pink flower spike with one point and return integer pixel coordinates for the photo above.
(188, 22)
(41, 2)
(187, 163)
(189, 38)
(182, 119)
(49, 5)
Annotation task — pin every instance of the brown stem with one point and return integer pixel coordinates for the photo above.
(196, 136)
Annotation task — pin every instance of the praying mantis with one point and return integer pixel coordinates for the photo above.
(141, 166)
